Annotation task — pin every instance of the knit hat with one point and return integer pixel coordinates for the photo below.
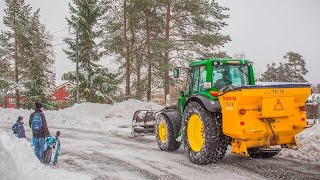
(38, 105)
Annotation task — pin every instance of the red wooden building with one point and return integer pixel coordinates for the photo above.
(10, 101)
(59, 97)
(60, 94)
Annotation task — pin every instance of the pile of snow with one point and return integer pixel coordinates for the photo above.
(121, 114)
(309, 141)
(127, 108)
(84, 115)
(314, 97)
(18, 162)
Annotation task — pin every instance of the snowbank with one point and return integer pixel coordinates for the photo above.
(18, 162)
(84, 115)
(309, 150)
(127, 108)
(314, 97)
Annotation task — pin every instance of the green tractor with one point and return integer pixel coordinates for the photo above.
(222, 106)
(197, 120)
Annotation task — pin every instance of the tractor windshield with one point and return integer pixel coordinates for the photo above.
(227, 74)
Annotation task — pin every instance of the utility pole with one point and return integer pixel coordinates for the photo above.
(16, 70)
(77, 61)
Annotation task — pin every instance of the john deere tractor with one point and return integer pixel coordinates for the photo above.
(222, 106)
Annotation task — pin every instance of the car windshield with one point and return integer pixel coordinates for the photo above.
(237, 75)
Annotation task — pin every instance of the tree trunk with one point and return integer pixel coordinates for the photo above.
(149, 60)
(138, 92)
(167, 51)
(127, 54)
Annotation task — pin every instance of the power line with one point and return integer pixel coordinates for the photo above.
(63, 36)
(58, 44)
(60, 30)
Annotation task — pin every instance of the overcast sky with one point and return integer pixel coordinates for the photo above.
(263, 30)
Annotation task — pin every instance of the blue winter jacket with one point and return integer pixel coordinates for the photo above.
(20, 130)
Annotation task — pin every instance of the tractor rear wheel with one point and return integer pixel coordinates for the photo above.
(261, 154)
(165, 134)
(202, 136)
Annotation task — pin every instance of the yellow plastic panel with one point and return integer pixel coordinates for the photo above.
(278, 106)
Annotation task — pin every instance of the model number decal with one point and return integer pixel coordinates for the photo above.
(275, 91)
(229, 106)
(229, 98)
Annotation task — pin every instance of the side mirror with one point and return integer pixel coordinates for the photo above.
(176, 72)
(182, 93)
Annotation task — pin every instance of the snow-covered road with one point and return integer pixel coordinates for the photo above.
(114, 154)
(96, 141)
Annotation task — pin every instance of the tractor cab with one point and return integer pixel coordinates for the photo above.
(207, 77)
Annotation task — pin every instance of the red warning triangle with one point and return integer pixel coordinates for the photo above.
(278, 106)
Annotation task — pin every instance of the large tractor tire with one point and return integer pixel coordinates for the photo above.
(202, 136)
(262, 154)
(165, 134)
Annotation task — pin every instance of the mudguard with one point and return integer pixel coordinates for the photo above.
(172, 113)
(212, 106)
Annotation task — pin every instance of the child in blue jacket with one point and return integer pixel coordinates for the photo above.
(20, 128)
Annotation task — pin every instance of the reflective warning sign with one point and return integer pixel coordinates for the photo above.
(278, 106)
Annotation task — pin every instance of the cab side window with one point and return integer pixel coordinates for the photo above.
(203, 77)
(195, 80)
(199, 77)
(216, 75)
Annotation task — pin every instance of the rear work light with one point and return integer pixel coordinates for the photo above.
(242, 111)
(214, 93)
(302, 108)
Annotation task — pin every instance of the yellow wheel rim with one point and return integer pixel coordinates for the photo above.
(195, 133)
(162, 131)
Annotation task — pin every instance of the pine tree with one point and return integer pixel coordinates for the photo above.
(29, 51)
(291, 71)
(41, 79)
(85, 15)
(150, 36)
(297, 66)
(6, 71)
(192, 29)
(270, 75)
(16, 18)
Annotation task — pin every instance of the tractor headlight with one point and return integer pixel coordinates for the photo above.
(215, 63)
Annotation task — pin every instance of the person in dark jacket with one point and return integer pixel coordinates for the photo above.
(40, 131)
(21, 133)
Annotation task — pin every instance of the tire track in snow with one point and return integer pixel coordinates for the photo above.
(95, 161)
(107, 165)
(275, 168)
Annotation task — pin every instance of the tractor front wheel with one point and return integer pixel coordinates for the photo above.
(165, 134)
(202, 136)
